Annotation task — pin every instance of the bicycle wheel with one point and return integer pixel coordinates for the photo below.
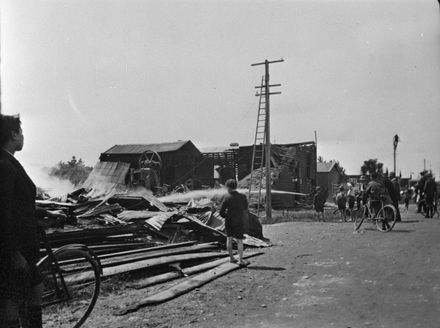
(67, 301)
(386, 218)
(359, 217)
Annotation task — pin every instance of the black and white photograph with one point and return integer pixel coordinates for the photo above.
(219, 163)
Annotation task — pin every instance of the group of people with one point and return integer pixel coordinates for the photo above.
(387, 189)
(379, 186)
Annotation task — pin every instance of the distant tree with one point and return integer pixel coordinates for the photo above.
(321, 159)
(371, 166)
(74, 170)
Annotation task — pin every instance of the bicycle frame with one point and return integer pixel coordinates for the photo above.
(56, 270)
(379, 214)
(54, 273)
(370, 212)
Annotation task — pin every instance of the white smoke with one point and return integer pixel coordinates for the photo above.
(52, 186)
(214, 194)
(194, 195)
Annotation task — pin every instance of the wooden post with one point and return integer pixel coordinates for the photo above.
(395, 142)
(268, 147)
(267, 86)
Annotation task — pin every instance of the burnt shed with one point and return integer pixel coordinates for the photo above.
(180, 161)
(296, 163)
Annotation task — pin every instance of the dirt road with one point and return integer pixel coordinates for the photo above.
(316, 275)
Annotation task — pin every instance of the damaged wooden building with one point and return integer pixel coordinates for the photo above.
(294, 164)
(162, 167)
(154, 166)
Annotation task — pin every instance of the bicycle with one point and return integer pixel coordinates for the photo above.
(384, 216)
(67, 299)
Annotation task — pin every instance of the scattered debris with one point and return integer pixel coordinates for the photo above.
(134, 232)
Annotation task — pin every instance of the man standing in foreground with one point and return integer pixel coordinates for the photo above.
(20, 280)
(234, 209)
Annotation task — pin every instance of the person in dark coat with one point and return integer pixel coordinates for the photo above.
(421, 203)
(395, 195)
(376, 190)
(319, 202)
(430, 191)
(235, 210)
(20, 281)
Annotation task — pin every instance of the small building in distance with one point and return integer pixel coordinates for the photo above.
(329, 177)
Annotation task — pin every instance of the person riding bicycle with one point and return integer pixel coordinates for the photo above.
(376, 192)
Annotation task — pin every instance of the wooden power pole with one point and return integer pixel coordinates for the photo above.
(267, 95)
(396, 140)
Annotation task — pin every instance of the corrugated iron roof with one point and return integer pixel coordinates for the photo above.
(139, 149)
(106, 177)
(325, 167)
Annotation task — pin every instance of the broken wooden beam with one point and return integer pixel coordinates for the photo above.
(185, 272)
(180, 289)
(154, 254)
(143, 264)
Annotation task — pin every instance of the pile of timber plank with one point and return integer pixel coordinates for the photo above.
(114, 264)
(195, 221)
(136, 234)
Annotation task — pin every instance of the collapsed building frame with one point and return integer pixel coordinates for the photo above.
(154, 166)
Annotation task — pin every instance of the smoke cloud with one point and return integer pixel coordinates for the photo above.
(53, 186)
(214, 194)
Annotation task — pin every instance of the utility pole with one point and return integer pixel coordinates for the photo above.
(396, 140)
(316, 160)
(267, 95)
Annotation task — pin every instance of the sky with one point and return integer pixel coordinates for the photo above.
(85, 75)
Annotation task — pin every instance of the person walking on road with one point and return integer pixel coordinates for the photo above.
(430, 191)
(395, 195)
(408, 196)
(421, 203)
(319, 202)
(235, 211)
(341, 201)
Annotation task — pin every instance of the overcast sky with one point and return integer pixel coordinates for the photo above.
(86, 75)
